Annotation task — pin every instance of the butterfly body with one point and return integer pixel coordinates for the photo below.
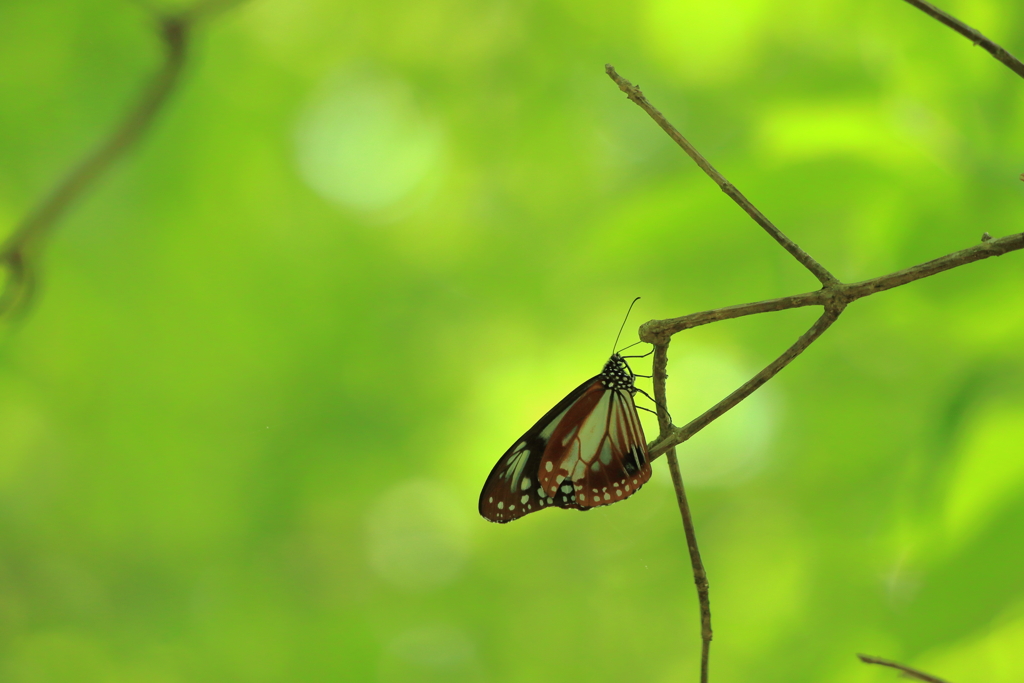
(588, 450)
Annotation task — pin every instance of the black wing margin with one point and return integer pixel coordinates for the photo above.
(512, 489)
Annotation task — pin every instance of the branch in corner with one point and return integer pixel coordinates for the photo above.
(905, 670)
(972, 34)
(21, 251)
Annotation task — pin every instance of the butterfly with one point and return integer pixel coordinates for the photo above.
(587, 451)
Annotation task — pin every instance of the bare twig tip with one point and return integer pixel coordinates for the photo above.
(905, 671)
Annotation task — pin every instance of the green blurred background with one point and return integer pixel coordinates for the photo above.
(366, 245)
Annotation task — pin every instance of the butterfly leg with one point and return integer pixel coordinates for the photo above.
(641, 391)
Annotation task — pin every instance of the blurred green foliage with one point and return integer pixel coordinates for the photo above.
(279, 348)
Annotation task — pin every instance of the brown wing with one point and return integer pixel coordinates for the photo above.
(598, 448)
(513, 488)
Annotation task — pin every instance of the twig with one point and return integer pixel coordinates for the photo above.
(906, 670)
(633, 92)
(972, 34)
(700, 576)
(658, 331)
(978, 252)
(20, 252)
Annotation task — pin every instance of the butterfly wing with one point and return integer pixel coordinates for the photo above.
(589, 450)
(513, 489)
(599, 448)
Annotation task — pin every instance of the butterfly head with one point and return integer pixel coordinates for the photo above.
(617, 374)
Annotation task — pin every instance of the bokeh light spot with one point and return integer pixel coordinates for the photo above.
(365, 144)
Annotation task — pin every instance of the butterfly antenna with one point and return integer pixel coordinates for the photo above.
(623, 326)
(626, 348)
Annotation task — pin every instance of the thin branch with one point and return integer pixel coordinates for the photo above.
(906, 670)
(972, 34)
(676, 435)
(659, 331)
(978, 252)
(634, 94)
(700, 576)
(20, 252)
